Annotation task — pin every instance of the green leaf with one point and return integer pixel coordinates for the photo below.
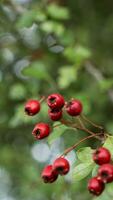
(77, 54)
(81, 171)
(27, 19)
(52, 26)
(57, 132)
(109, 144)
(67, 75)
(36, 70)
(58, 12)
(85, 155)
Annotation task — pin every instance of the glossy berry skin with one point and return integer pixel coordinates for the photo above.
(61, 166)
(101, 156)
(55, 101)
(48, 175)
(95, 186)
(32, 107)
(55, 115)
(105, 173)
(41, 130)
(74, 107)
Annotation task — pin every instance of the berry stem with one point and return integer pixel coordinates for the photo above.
(42, 99)
(81, 122)
(68, 123)
(92, 123)
(78, 143)
(57, 125)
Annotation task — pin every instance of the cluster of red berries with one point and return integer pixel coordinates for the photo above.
(56, 103)
(60, 166)
(102, 157)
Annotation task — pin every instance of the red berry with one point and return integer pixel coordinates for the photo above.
(55, 115)
(95, 186)
(61, 166)
(41, 130)
(55, 101)
(101, 156)
(48, 175)
(105, 172)
(32, 107)
(74, 108)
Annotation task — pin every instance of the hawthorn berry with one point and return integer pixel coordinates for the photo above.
(55, 101)
(32, 107)
(95, 186)
(105, 173)
(41, 130)
(61, 166)
(101, 156)
(48, 175)
(74, 107)
(54, 114)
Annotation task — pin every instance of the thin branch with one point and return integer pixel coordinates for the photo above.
(43, 98)
(68, 123)
(92, 123)
(78, 143)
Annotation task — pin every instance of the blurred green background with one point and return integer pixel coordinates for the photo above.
(49, 46)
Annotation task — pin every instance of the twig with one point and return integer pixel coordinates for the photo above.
(92, 123)
(75, 145)
(68, 123)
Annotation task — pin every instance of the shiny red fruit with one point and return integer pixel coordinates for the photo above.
(55, 115)
(41, 130)
(95, 186)
(74, 107)
(48, 175)
(101, 156)
(32, 107)
(55, 101)
(61, 166)
(105, 172)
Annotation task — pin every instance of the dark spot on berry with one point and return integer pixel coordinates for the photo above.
(59, 169)
(97, 152)
(28, 112)
(52, 99)
(37, 132)
(46, 179)
(104, 174)
(55, 110)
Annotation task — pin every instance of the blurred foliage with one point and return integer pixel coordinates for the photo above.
(51, 46)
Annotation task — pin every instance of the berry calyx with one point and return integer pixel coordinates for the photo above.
(95, 186)
(61, 166)
(55, 101)
(48, 175)
(74, 107)
(54, 114)
(101, 156)
(41, 130)
(105, 172)
(32, 107)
